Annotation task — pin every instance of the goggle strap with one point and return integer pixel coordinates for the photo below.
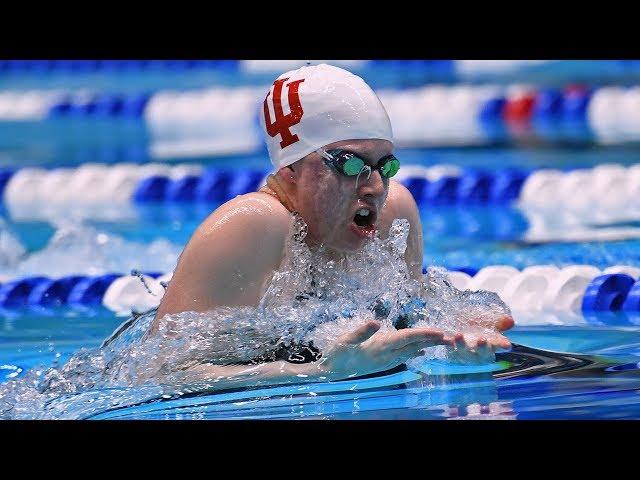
(324, 154)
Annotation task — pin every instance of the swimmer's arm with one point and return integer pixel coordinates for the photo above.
(222, 377)
(357, 352)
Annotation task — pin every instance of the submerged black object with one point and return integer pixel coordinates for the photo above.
(294, 352)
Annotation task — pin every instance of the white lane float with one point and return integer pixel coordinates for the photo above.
(166, 278)
(23, 185)
(54, 185)
(460, 280)
(492, 278)
(129, 293)
(539, 294)
(542, 188)
(565, 291)
(525, 290)
(633, 272)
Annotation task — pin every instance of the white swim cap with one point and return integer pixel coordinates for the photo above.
(311, 107)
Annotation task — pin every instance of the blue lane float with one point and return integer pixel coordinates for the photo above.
(417, 186)
(5, 176)
(15, 294)
(548, 106)
(575, 104)
(152, 189)
(632, 301)
(52, 293)
(491, 111)
(131, 105)
(83, 108)
(213, 185)
(471, 187)
(88, 66)
(90, 291)
(152, 274)
(182, 189)
(607, 292)
(468, 270)
(616, 293)
(506, 185)
(134, 105)
(474, 187)
(60, 108)
(244, 182)
(109, 105)
(443, 190)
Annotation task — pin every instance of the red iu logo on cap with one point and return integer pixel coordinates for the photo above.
(283, 122)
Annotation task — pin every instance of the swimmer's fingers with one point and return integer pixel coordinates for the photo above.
(360, 334)
(454, 339)
(410, 351)
(408, 336)
(473, 343)
(502, 323)
(495, 342)
(505, 323)
(500, 341)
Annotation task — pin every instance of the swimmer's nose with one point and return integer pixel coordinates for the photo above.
(373, 186)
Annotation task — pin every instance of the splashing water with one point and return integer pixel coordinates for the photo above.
(11, 250)
(312, 300)
(77, 249)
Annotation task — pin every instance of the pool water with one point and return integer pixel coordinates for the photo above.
(586, 369)
(572, 367)
(551, 373)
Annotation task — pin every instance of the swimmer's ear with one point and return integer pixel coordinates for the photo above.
(288, 174)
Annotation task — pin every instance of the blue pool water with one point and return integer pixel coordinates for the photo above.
(586, 370)
(552, 373)
(583, 367)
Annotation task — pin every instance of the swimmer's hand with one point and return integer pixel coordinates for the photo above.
(365, 350)
(483, 340)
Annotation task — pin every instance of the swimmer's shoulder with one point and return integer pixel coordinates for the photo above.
(400, 204)
(230, 256)
(255, 213)
(400, 194)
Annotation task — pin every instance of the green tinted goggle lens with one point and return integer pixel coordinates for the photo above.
(390, 167)
(351, 165)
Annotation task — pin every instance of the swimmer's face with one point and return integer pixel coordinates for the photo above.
(329, 201)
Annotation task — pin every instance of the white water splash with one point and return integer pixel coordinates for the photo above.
(312, 300)
(77, 249)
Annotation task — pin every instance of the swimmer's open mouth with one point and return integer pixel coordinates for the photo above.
(364, 217)
(364, 221)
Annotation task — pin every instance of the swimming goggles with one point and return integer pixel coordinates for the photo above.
(350, 165)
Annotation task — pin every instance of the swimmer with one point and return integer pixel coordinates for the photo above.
(330, 141)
